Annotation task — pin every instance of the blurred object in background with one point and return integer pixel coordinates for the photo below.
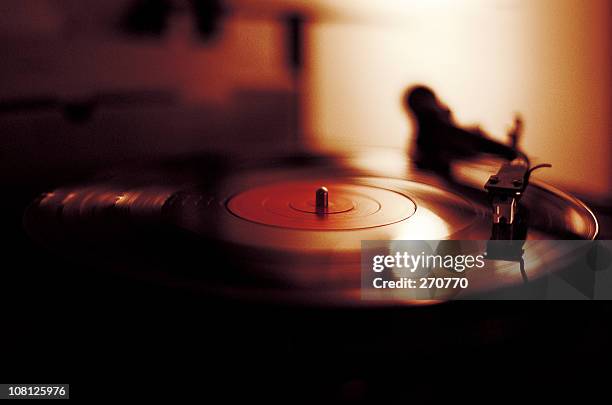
(151, 17)
(547, 60)
(438, 139)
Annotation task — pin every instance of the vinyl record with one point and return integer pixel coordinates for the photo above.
(263, 233)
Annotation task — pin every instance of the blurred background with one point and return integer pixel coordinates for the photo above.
(86, 84)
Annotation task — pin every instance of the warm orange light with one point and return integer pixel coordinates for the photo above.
(548, 60)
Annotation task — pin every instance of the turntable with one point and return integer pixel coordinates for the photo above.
(289, 229)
